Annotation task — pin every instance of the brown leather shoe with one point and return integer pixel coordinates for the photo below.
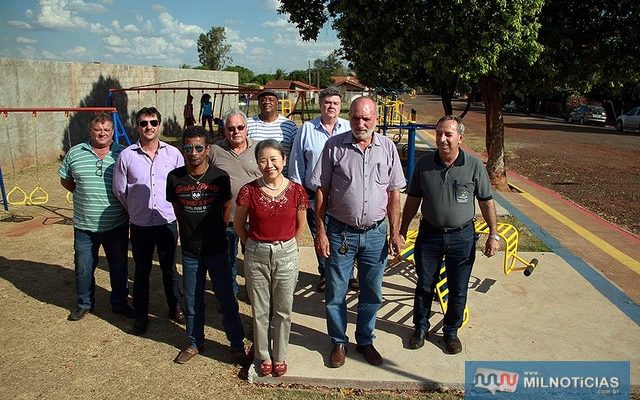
(370, 354)
(338, 354)
(178, 316)
(186, 355)
(452, 344)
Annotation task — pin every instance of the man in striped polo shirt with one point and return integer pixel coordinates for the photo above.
(268, 124)
(98, 217)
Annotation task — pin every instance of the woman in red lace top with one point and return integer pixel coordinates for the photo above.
(276, 208)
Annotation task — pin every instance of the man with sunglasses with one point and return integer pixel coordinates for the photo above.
(201, 197)
(268, 124)
(140, 182)
(234, 154)
(98, 217)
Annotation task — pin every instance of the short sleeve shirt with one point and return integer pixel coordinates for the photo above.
(272, 219)
(95, 207)
(448, 193)
(358, 182)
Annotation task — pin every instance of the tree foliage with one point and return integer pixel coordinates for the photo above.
(414, 43)
(213, 49)
(245, 75)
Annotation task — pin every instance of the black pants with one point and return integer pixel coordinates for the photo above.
(144, 239)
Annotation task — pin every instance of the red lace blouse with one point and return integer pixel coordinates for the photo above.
(271, 218)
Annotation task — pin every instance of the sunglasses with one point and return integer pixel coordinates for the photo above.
(188, 148)
(153, 122)
(235, 128)
(99, 167)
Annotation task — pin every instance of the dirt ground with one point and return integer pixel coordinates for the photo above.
(597, 168)
(47, 357)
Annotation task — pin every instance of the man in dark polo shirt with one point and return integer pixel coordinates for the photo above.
(446, 183)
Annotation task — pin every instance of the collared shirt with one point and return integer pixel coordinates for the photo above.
(307, 147)
(95, 208)
(282, 129)
(448, 192)
(140, 183)
(242, 168)
(358, 181)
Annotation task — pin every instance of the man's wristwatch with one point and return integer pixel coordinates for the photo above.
(495, 237)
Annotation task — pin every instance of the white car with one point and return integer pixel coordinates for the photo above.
(629, 121)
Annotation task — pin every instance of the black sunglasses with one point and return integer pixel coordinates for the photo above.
(153, 122)
(188, 148)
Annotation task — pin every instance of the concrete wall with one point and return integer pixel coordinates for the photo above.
(30, 83)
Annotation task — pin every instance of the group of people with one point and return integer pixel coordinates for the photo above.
(260, 186)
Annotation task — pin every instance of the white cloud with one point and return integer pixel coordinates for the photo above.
(115, 24)
(19, 24)
(55, 15)
(254, 39)
(279, 23)
(293, 39)
(24, 40)
(271, 4)
(76, 51)
(27, 52)
(49, 55)
(80, 5)
(130, 28)
(238, 46)
(116, 41)
(172, 26)
(228, 22)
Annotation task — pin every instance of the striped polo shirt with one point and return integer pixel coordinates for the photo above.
(95, 208)
(282, 129)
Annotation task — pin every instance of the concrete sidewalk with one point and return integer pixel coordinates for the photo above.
(511, 318)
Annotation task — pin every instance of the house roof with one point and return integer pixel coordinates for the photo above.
(350, 81)
(288, 85)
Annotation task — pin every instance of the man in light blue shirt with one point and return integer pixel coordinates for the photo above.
(305, 153)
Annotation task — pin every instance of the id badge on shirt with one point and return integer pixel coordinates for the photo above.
(462, 193)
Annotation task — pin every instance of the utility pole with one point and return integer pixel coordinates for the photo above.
(309, 72)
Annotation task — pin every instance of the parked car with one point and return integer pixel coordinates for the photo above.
(513, 107)
(629, 121)
(586, 114)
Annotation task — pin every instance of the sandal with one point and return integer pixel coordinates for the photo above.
(279, 369)
(265, 369)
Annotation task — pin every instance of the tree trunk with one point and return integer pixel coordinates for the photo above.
(447, 88)
(492, 95)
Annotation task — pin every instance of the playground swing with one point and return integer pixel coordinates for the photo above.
(16, 196)
(38, 196)
(69, 195)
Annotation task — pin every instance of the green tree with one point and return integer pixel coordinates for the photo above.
(418, 43)
(324, 69)
(280, 74)
(213, 49)
(262, 79)
(299, 75)
(245, 75)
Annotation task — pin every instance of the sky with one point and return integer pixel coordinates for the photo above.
(162, 33)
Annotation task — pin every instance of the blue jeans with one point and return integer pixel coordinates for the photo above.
(458, 248)
(232, 245)
(115, 243)
(370, 249)
(194, 272)
(144, 240)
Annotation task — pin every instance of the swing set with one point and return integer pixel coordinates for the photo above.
(38, 196)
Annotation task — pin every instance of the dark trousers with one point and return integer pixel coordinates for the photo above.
(458, 248)
(144, 240)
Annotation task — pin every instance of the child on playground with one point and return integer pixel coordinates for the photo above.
(206, 111)
(189, 119)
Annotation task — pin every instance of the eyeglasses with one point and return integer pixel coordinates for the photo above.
(188, 148)
(235, 128)
(99, 168)
(153, 122)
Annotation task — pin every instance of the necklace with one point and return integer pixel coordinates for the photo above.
(197, 180)
(273, 188)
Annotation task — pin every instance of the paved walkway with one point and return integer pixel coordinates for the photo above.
(581, 303)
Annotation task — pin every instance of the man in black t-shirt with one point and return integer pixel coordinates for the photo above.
(201, 197)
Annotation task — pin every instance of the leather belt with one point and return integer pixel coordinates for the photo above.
(445, 230)
(355, 229)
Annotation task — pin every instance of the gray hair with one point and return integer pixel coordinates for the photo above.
(232, 113)
(455, 118)
(328, 92)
